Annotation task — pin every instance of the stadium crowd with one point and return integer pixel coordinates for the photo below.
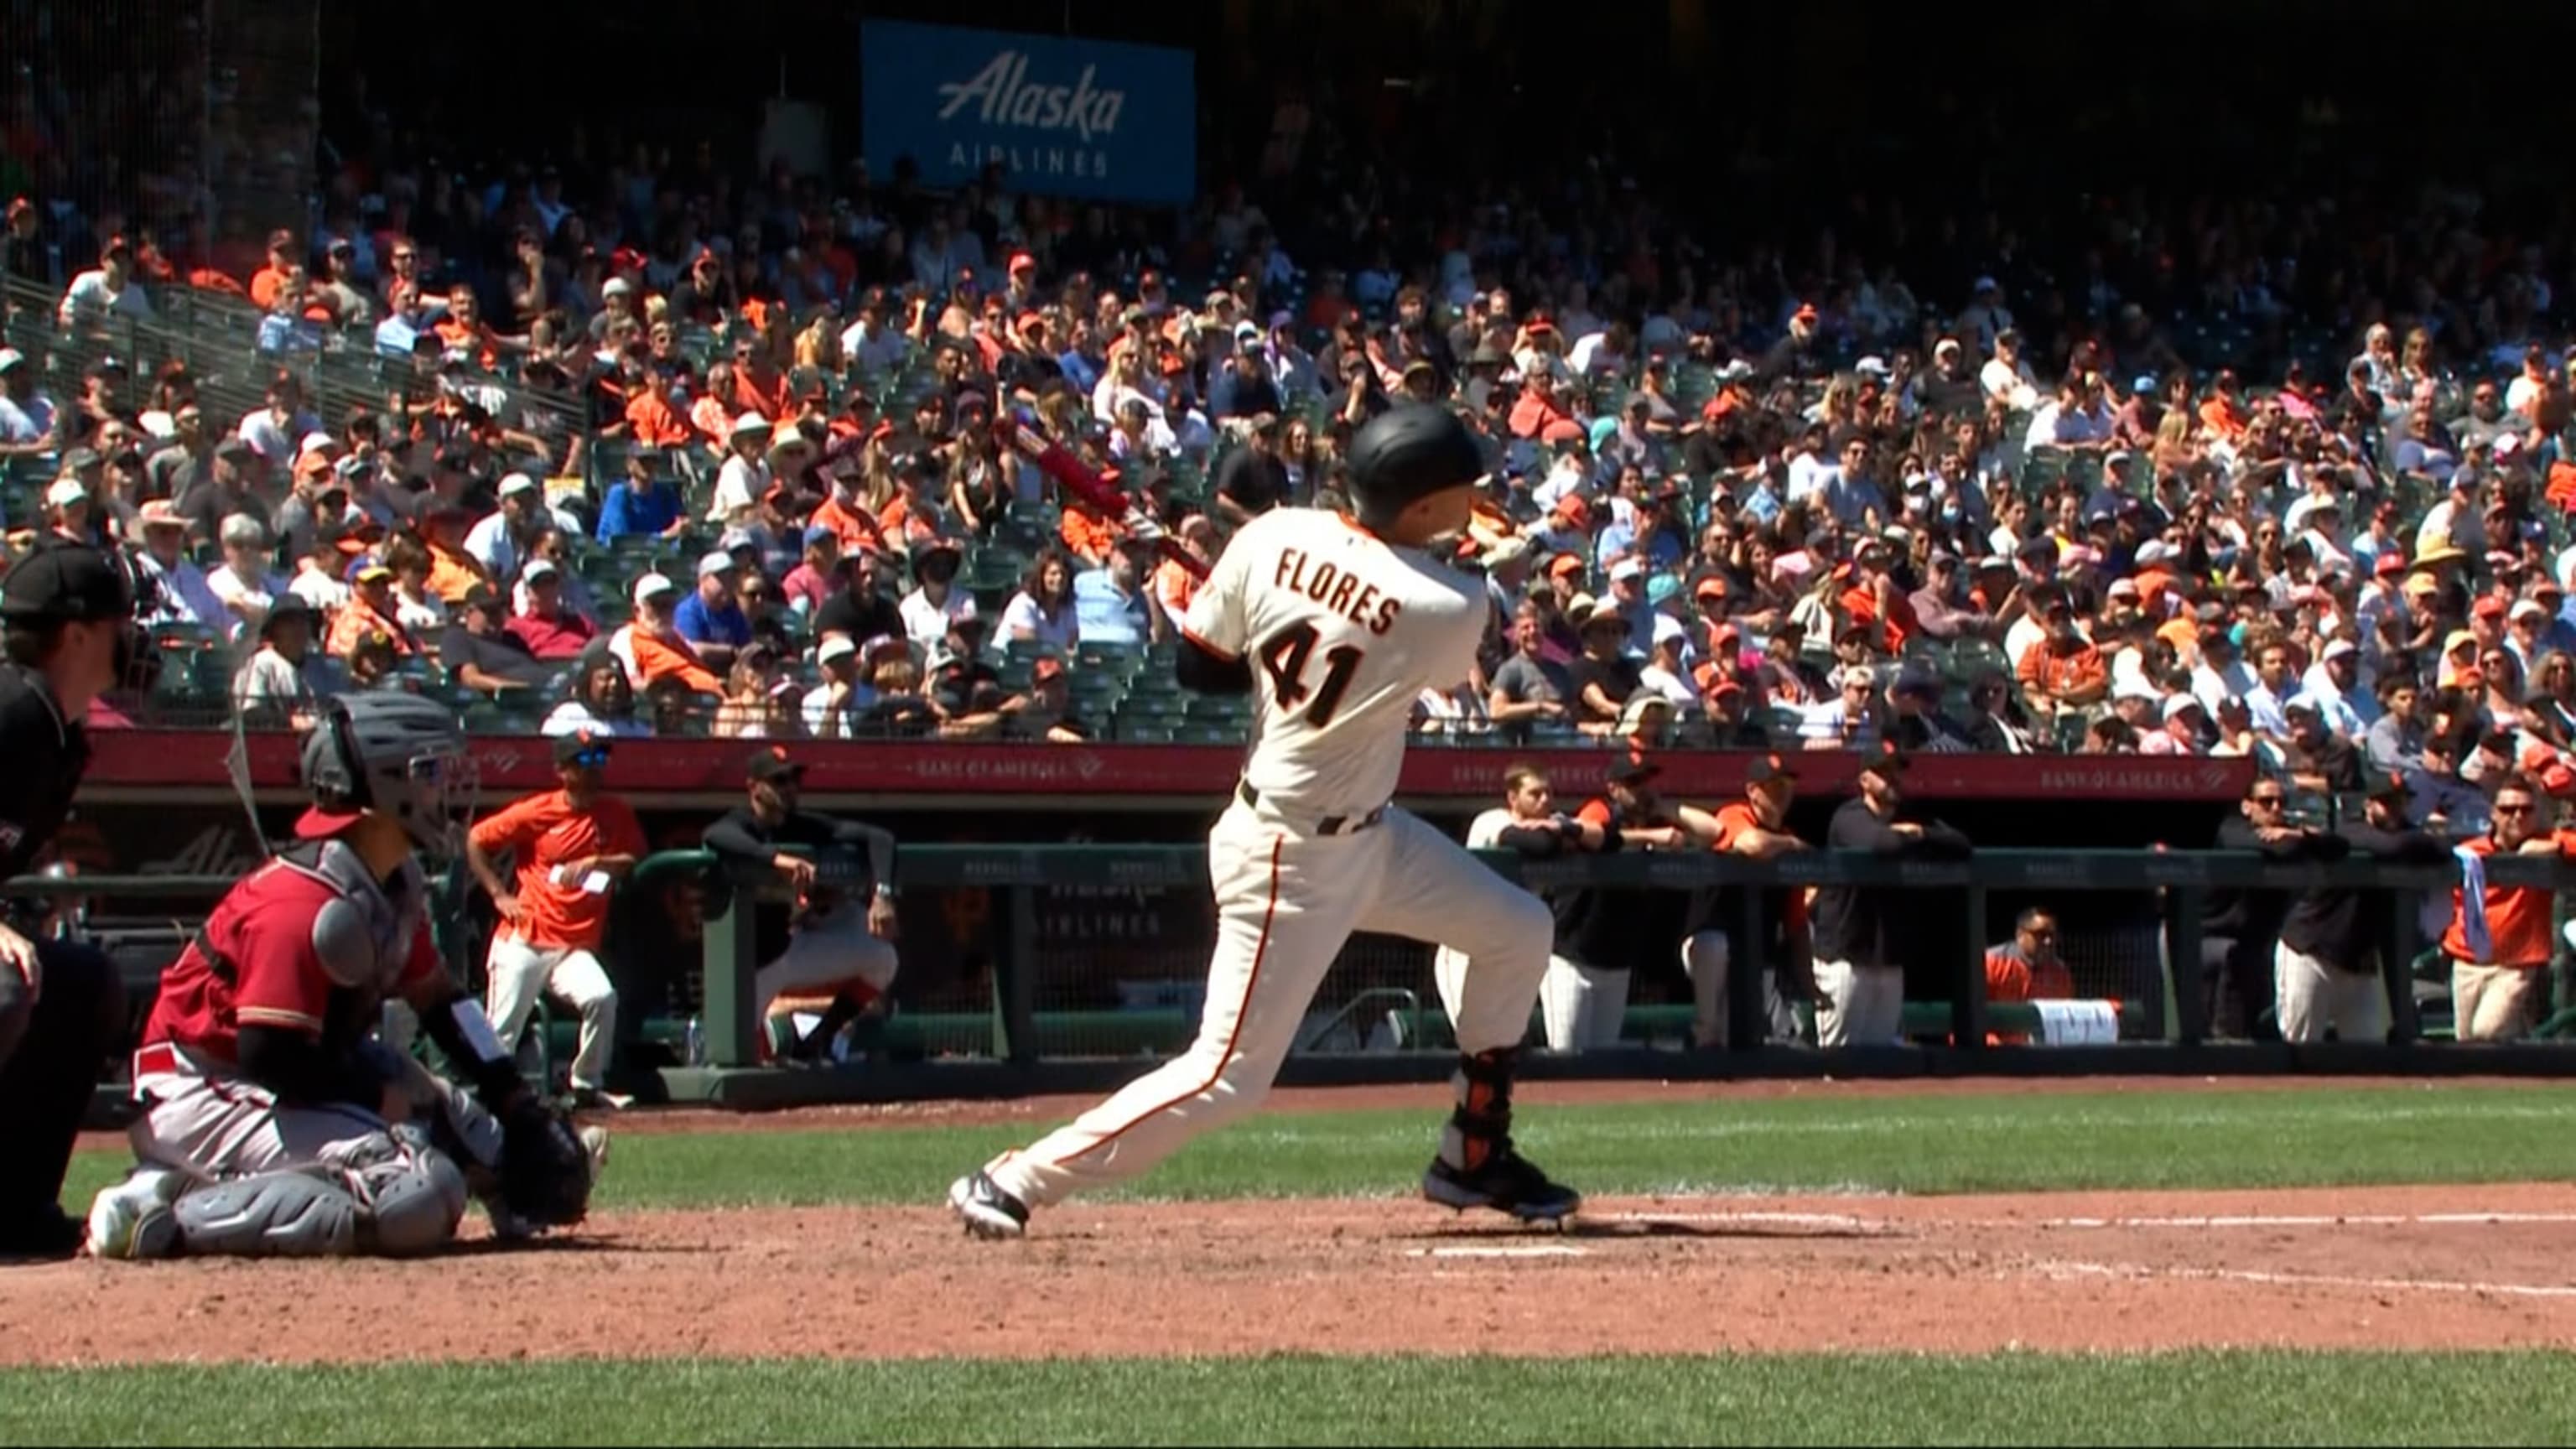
(656, 451)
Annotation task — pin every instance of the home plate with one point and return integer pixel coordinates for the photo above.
(1534, 1250)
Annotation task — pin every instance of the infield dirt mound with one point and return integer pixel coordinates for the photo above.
(2427, 1268)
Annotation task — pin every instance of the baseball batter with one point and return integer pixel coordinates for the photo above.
(271, 1124)
(1334, 624)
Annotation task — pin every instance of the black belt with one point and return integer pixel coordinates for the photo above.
(1330, 824)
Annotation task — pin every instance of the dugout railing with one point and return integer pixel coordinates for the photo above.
(1008, 1030)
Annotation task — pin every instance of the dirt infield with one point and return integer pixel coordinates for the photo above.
(2430, 1267)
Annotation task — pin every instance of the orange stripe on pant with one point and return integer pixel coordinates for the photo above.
(1251, 981)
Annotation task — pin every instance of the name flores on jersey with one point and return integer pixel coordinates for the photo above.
(1345, 593)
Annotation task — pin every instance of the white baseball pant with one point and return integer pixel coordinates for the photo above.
(2311, 996)
(1286, 901)
(517, 973)
(831, 948)
(1706, 958)
(1581, 1007)
(1859, 1005)
(218, 1128)
(2496, 1003)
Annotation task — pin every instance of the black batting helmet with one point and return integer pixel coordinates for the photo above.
(1408, 453)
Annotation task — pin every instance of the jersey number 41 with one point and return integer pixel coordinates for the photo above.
(1286, 655)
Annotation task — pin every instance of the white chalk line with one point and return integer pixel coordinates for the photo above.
(1544, 1250)
(1858, 1222)
(2064, 1269)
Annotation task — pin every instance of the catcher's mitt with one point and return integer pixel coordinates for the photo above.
(545, 1169)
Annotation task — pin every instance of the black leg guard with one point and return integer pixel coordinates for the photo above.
(1477, 1166)
(1480, 1120)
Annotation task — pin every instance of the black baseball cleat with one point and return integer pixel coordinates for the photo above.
(1506, 1182)
(987, 1211)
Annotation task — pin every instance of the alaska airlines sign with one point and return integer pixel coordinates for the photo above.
(1063, 117)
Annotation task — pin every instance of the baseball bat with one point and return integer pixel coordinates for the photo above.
(1074, 478)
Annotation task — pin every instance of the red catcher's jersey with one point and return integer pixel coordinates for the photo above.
(266, 970)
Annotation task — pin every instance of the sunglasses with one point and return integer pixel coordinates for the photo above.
(2271, 801)
(590, 760)
(2512, 810)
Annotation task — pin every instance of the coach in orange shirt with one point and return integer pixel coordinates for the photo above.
(2499, 941)
(2027, 968)
(570, 846)
(1755, 826)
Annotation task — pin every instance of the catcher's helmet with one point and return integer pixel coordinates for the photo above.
(395, 754)
(1408, 453)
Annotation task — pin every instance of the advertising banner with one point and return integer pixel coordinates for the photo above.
(1063, 116)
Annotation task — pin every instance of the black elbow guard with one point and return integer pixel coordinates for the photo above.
(1199, 669)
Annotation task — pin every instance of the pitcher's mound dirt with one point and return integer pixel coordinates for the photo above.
(2438, 1267)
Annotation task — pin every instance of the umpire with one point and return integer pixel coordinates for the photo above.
(71, 636)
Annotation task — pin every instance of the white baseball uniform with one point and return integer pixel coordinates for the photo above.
(1342, 630)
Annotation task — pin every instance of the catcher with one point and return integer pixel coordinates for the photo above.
(273, 1123)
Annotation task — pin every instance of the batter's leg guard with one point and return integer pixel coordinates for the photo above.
(1477, 1166)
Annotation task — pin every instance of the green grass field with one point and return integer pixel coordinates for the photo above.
(1999, 1142)
(1828, 1399)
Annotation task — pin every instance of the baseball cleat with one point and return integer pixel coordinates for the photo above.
(1507, 1183)
(987, 1211)
(132, 1221)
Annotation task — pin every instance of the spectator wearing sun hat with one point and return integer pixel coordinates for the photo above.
(745, 476)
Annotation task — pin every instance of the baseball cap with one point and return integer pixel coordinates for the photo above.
(1767, 769)
(2388, 563)
(580, 742)
(65, 492)
(2178, 704)
(836, 648)
(2529, 609)
(1626, 569)
(1883, 757)
(1636, 769)
(479, 596)
(517, 483)
(1046, 667)
(817, 533)
(11, 357)
(717, 562)
(2339, 648)
(367, 568)
(653, 586)
(2389, 786)
(773, 764)
(2489, 607)
(70, 582)
(542, 568)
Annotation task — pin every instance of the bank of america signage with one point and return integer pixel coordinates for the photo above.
(1062, 116)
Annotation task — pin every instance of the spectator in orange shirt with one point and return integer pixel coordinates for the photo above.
(651, 647)
(847, 515)
(651, 421)
(265, 282)
(452, 570)
(370, 612)
(1088, 533)
(2499, 941)
(2027, 968)
(1756, 827)
(1174, 584)
(570, 846)
(2063, 670)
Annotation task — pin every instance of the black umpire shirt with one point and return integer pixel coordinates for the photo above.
(1868, 925)
(46, 755)
(2343, 926)
(739, 837)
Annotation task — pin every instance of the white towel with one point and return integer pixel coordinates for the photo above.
(2473, 905)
